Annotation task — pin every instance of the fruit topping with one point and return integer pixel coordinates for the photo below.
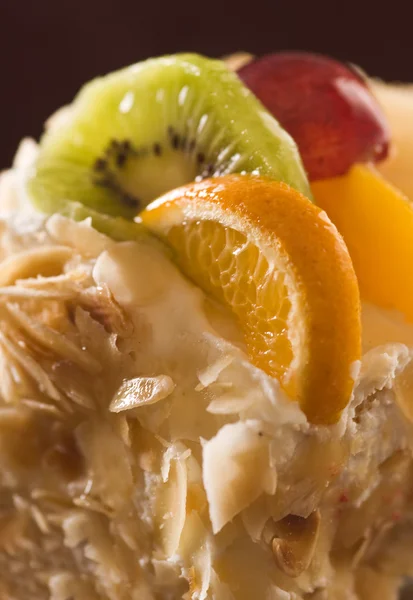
(139, 132)
(326, 106)
(270, 255)
(118, 228)
(397, 103)
(376, 221)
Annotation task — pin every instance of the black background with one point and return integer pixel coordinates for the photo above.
(49, 48)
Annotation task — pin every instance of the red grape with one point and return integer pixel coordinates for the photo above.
(326, 106)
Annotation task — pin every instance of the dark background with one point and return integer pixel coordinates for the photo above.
(49, 48)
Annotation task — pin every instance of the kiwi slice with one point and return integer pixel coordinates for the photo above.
(118, 228)
(138, 132)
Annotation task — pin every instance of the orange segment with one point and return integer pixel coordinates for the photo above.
(278, 263)
(376, 221)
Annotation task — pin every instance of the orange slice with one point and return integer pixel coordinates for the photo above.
(279, 264)
(376, 221)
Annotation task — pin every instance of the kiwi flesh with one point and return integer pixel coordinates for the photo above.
(118, 228)
(134, 134)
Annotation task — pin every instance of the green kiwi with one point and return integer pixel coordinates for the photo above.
(118, 228)
(136, 133)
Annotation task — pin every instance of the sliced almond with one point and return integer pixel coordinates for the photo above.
(80, 236)
(141, 391)
(47, 260)
(294, 542)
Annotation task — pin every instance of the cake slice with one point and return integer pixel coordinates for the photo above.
(148, 450)
(211, 399)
